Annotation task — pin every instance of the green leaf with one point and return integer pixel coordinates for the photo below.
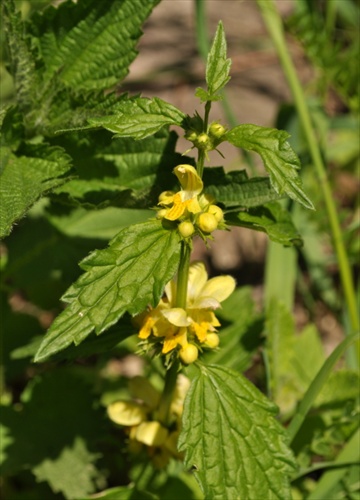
(218, 66)
(122, 493)
(293, 360)
(127, 276)
(234, 189)
(27, 177)
(279, 159)
(89, 45)
(341, 387)
(271, 219)
(21, 66)
(57, 443)
(139, 117)
(232, 440)
(240, 334)
(100, 224)
(123, 172)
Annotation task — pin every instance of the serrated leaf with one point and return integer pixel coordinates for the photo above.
(21, 66)
(218, 66)
(139, 117)
(25, 178)
(123, 172)
(125, 277)
(234, 189)
(95, 44)
(204, 96)
(271, 219)
(232, 440)
(279, 158)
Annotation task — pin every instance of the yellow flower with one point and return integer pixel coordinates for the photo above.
(194, 323)
(140, 418)
(187, 198)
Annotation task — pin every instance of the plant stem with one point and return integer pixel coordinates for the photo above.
(167, 395)
(171, 374)
(273, 22)
(183, 276)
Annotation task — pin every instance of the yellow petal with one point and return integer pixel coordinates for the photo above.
(172, 341)
(200, 331)
(189, 179)
(193, 206)
(177, 316)
(177, 209)
(126, 413)
(170, 291)
(219, 288)
(151, 433)
(196, 282)
(145, 330)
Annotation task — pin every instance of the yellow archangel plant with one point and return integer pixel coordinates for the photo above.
(141, 417)
(193, 327)
(189, 206)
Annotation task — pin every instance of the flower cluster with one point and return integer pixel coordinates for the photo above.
(192, 209)
(185, 331)
(143, 423)
(204, 140)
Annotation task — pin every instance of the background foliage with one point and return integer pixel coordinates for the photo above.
(64, 194)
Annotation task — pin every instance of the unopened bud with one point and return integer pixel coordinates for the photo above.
(207, 222)
(212, 340)
(191, 135)
(189, 354)
(161, 213)
(216, 212)
(216, 130)
(186, 229)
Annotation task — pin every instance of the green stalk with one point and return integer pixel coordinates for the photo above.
(168, 393)
(317, 384)
(171, 374)
(201, 31)
(183, 276)
(274, 25)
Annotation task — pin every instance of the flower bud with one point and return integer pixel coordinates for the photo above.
(166, 197)
(207, 222)
(186, 229)
(216, 212)
(189, 354)
(216, 130)
(212, 340)
(191, 135)
(161, 213)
